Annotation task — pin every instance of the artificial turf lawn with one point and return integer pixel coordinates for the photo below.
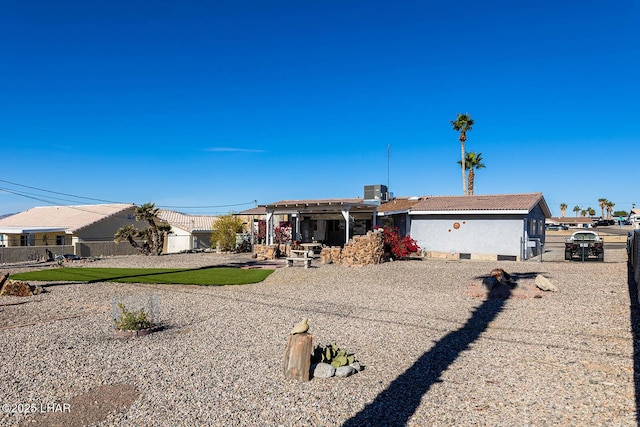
(197, 276)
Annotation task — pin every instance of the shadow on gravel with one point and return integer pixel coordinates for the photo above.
(635, 327)
(395, 405)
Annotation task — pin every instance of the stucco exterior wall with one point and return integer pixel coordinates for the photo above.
(474, 234)
(104, 230)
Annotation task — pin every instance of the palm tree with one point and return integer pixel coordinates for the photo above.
(602, 202)
(472, 161)
(609, 205)
(577, 209)
(463, 124)
(563, 209)
(590, 211)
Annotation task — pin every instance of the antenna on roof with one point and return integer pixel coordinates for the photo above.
(388, 164)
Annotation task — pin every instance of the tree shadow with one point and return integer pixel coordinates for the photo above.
(395, 405)
(635, 327)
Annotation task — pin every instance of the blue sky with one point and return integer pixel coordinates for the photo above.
(207, 106)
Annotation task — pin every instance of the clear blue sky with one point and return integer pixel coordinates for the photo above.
(191, 104)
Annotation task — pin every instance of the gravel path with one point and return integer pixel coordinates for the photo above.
(433, 354)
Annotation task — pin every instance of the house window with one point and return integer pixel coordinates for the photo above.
(532, 227)
(60, 240)
(24, 240)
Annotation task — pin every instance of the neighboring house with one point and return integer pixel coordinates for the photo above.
(84, 230)
(505, 226)
(188, 232)
(65, 225)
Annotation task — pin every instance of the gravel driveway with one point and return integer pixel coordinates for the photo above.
(433, 353)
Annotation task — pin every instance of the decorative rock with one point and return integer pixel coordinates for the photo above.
(324, 370)
(17, 288)
(345, 371)
(3, 279)
(545, 284)
(356, 365)
(297, 357)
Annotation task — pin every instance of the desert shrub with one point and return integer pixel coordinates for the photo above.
(224, 232)
(397, 247)
(132, 320)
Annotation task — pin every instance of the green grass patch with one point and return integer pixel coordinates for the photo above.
(197, 276)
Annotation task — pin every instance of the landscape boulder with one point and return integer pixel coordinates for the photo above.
(545, 284)
(18, 288)
(323, 370)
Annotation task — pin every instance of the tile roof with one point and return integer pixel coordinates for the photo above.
(186, 222)
(491, 202)
(399, 204)
(316, 202)
(258, 210)
(70, 218)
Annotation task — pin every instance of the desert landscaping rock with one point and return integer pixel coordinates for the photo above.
(435, 354)
(17, 288)
(344, 371)
(545, 284)
(323, 370)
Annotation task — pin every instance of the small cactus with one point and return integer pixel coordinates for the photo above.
(333, 355)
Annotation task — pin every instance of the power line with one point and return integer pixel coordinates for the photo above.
(32, 196)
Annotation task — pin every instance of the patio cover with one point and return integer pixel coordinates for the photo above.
(344, 208)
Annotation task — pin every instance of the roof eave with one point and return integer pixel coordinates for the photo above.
(473, 212)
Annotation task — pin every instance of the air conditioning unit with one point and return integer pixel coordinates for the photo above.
(376, 192)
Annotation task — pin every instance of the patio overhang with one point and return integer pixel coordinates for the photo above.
(327, 209)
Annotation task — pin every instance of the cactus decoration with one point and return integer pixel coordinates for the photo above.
(333, 355)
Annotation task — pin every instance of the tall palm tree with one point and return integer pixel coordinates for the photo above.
(609, 207)
(577, 209)
(563, 209)
(472, 161)
(463, 124)
(590, 211)
(602, 202)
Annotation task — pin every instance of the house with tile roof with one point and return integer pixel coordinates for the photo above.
(188, 232)
(501, 226)
(51, 225)
(66, 229)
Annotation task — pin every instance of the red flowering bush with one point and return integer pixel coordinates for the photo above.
(397, 247)
(282, 234)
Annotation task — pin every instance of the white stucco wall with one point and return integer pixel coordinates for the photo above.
(477, 234)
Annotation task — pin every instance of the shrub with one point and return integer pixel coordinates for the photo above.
(224, 232)
(282, 234)
(132, 320)
(397, 247)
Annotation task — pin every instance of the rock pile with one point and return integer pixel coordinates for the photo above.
(17, 288)
(359, 251)
(269, 251)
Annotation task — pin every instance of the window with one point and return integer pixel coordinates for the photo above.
(24, 240)
(59, 240)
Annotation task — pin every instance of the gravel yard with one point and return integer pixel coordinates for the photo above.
(433, 352)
